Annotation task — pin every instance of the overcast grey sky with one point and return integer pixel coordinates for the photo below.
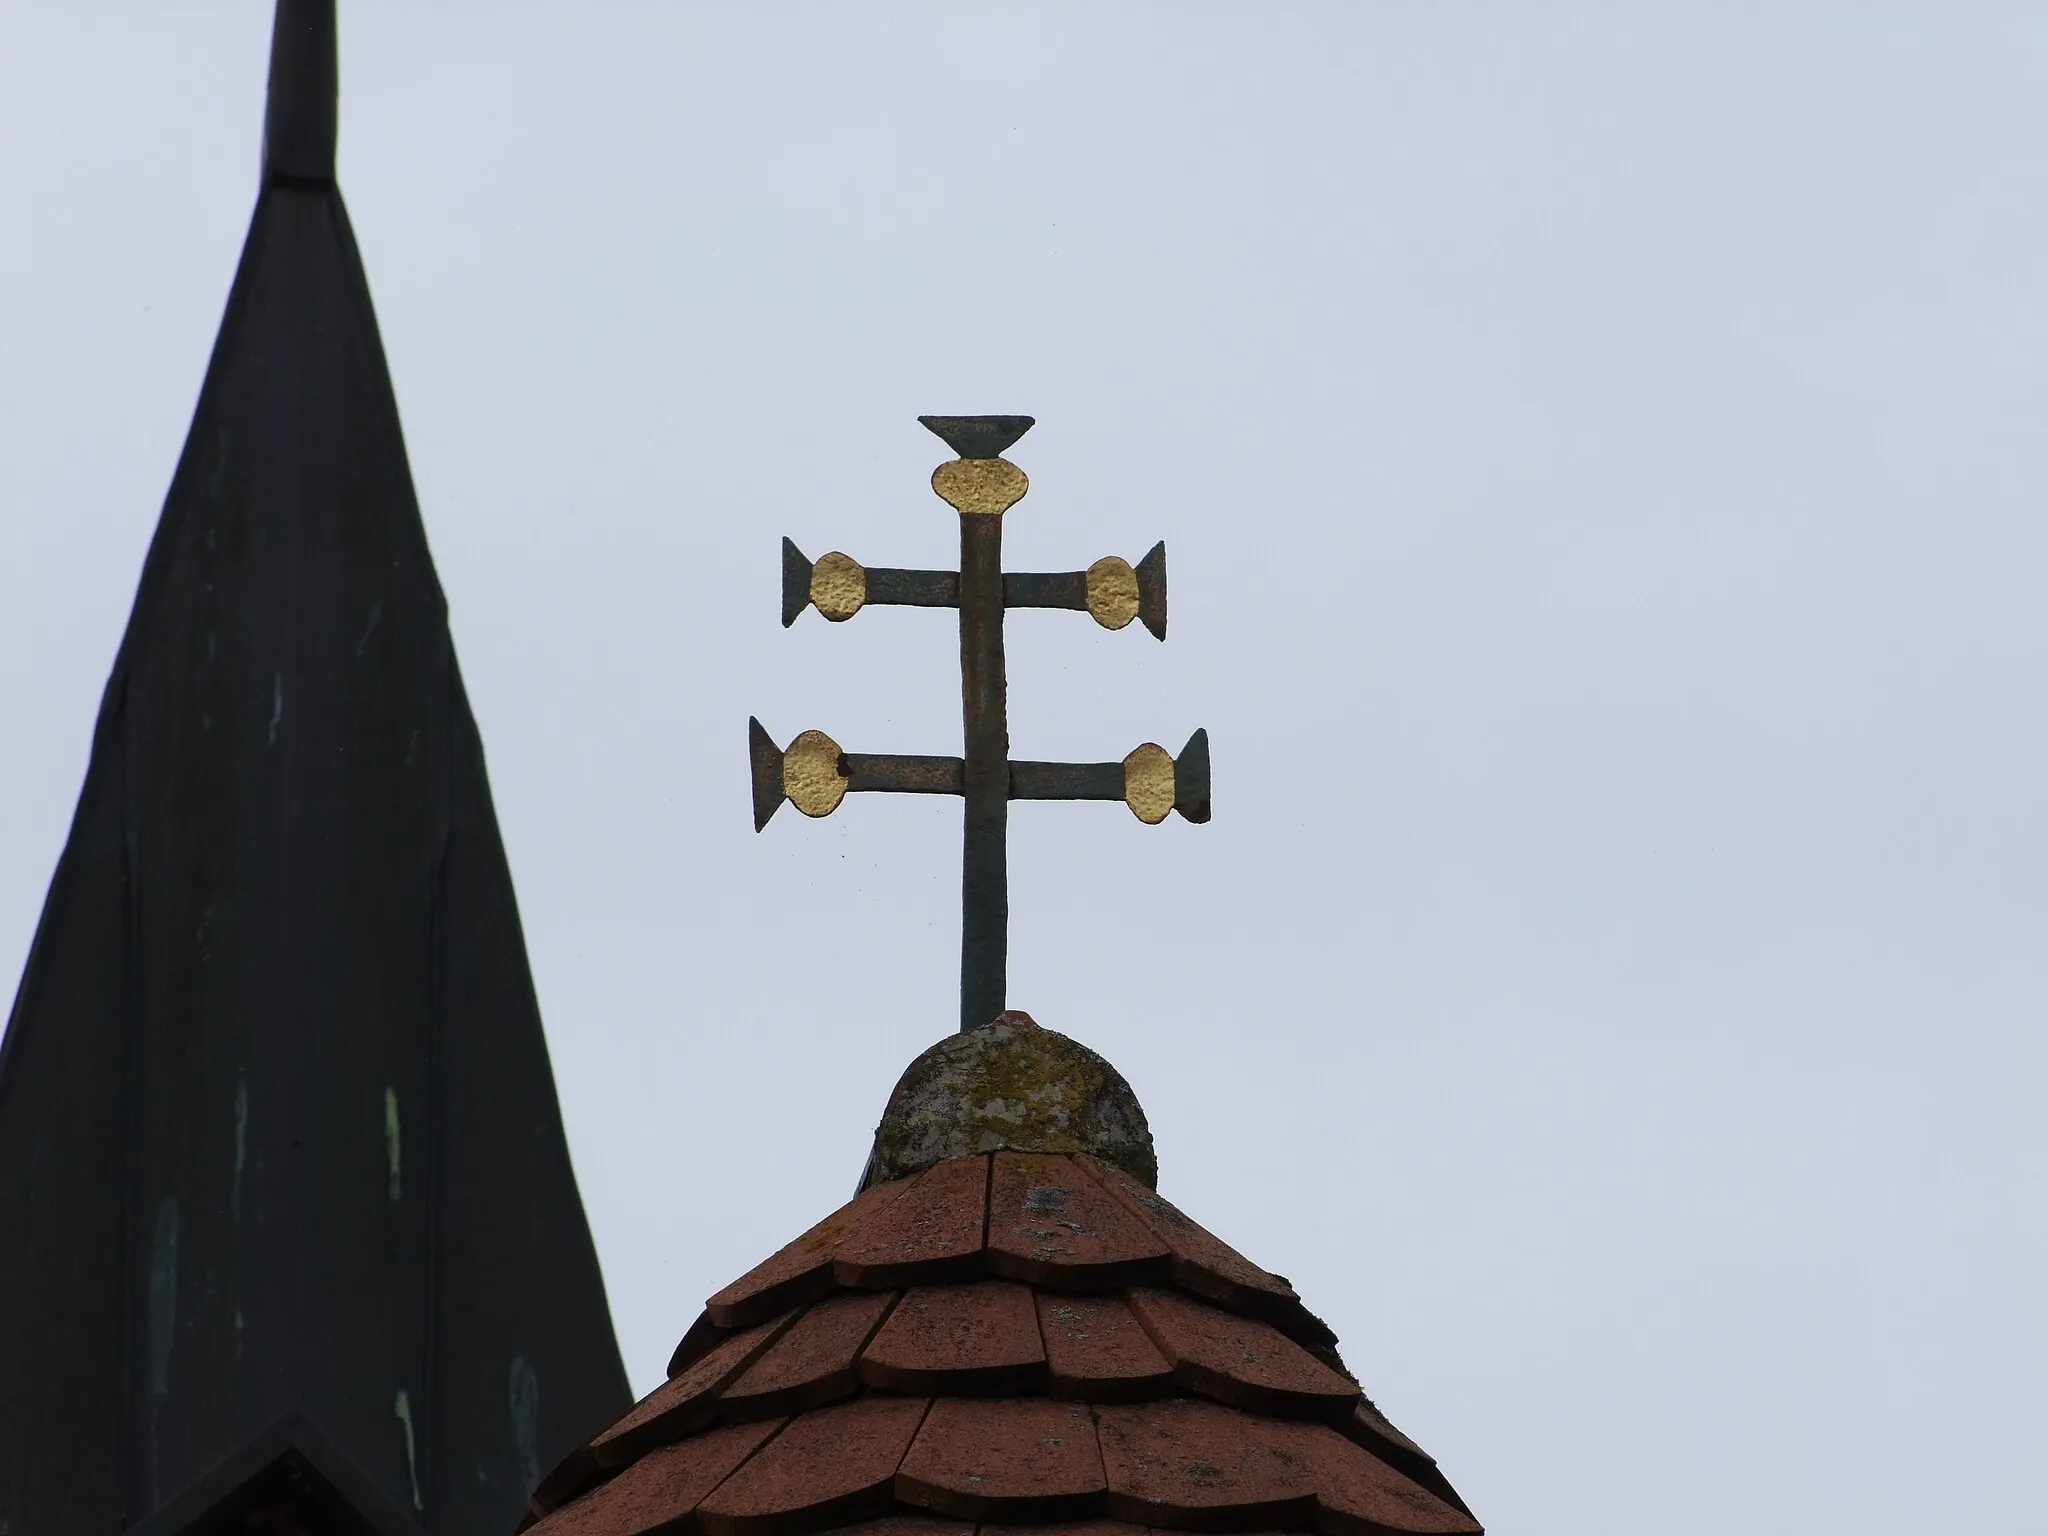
(1600, 449)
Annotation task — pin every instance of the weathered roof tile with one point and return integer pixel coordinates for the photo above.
(685, 1402)
(802, 1271)
(1004, 1459)
(973, 1340)
(1065, 1406)
(1190, 1465)
(827, 1467)
(1370, 1428)
(658, 1492)
(1357, 1494)
(929, 1232)
(813, 1362)
(1097, 1352)
(1051, 1224)
(1202, 1262)
(1239, 1360)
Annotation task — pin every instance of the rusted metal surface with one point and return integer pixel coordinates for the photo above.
(978, 437)
(898, 773)
(1066, 781)
(984, 867)
(815, 776)
(914, 589)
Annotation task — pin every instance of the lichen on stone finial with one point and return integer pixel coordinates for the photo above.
(1010, 1086)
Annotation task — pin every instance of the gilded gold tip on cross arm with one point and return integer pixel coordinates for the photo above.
(980, 487)
(811, 776)
(1156, 782)
(808, 773)
(838, 587)
(1112, 592)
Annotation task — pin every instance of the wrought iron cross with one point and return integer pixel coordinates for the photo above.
(814, 775)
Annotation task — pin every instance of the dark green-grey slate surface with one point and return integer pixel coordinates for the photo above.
(278, 1131)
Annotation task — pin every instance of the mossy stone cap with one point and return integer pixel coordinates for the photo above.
(1010, 1085)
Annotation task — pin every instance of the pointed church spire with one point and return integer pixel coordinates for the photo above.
(286, 1211)
(299, 117)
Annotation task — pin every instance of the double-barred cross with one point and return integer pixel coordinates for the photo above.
(814, 775)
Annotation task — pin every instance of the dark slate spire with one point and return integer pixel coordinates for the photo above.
(284, 1197)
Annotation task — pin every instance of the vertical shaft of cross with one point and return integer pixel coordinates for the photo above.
(985, 876)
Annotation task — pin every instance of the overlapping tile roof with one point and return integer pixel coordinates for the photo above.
(1009, 1340)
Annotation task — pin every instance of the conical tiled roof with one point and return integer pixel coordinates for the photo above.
(1008, 1338)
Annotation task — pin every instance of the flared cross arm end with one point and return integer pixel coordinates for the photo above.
(815, 776)
(978, 437)
(1112, 591)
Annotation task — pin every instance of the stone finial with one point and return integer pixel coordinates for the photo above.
(1010, 1085)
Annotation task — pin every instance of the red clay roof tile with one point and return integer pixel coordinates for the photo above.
(1357, 1494)
(702, 1336)
(813, 1361)
(1239, 1360)
(1191, 1465)
(1370, 1428)
(658, 1492)
(685, 1402)
(931, 1231)
(827, 1467)
(1272, 1437)
(567, 1478)
(1053, 1225)
(977, 1339)
(1006, 1459)
(1194, 1466)
(800, 1272)
(1202, 1263)
(1096, 1351)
